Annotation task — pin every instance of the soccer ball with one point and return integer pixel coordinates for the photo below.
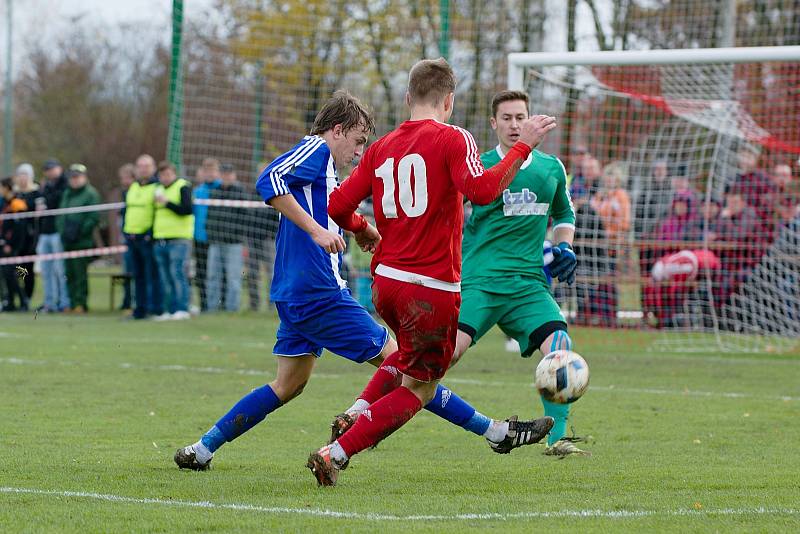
(562, 376)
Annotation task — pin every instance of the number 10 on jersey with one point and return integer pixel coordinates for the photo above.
(414, 203)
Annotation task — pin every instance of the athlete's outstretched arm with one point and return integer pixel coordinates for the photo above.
(344, 200)
(482, 186)
(289, 208)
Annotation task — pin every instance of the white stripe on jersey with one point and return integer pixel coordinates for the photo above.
(295, 159)
(331, 181)
(307, 193)
(566, 189)
(473, 156)
(314, 141)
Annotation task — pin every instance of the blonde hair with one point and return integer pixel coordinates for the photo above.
(617, 172)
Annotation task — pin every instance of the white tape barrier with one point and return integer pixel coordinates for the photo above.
(111, 206)
(89, 252)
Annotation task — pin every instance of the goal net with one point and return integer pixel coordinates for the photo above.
(684, 174)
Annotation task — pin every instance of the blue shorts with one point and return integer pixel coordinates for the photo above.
(338, 323)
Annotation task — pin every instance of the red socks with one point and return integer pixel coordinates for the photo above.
(381, 419)
(385, 380)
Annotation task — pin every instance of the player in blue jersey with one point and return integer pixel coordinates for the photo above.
(315, 308)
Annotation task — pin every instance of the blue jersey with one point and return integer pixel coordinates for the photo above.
(303, 270)
(201, 212)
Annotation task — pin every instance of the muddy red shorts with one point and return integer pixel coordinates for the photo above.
(425, 321)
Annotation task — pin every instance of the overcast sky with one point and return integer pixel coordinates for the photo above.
(38, 20)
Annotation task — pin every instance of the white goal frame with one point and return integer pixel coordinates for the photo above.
(518, 62)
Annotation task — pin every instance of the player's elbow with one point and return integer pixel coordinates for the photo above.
(339, 216)
(482, 198)
(339, 211)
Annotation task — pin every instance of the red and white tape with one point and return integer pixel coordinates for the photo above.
(100, 251)
(111, 206)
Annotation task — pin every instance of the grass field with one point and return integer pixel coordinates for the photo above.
(93, 409)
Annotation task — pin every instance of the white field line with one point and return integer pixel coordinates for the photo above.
(378, 517)
(447, 380)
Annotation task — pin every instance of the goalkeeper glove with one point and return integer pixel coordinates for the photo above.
(564, 263)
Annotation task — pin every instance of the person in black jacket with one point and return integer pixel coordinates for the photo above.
(225, 227)
(56, 297)
(260, 232)
(28, 190)
(13, 235)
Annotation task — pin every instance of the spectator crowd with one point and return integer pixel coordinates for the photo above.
(679, 232)
(181, 236)
(162, 226)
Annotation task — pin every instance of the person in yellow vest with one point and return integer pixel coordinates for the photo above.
(173, 231)
(138, 230)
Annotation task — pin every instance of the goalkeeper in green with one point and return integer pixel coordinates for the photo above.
(503, 274)
(503, 282)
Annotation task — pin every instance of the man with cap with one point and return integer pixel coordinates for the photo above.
(56, 297)
(76, 231)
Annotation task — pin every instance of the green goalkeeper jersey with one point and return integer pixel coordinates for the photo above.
(503, 241)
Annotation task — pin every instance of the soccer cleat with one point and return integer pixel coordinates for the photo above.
(186, 458)
(323, 467)
(565, 447)
(341, 424)
(522, 433)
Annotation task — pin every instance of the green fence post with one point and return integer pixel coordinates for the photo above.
(175, 136)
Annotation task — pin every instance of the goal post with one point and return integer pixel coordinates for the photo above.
(518, 62)
(684, 171)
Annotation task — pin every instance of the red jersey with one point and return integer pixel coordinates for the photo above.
(418, 176)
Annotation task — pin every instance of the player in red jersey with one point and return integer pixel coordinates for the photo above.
(418, 176)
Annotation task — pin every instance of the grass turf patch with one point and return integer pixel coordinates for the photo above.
(97, 406)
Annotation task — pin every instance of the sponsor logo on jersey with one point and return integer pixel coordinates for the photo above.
(367, 414)
(523, 203)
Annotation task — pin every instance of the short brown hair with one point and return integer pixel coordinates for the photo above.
(508, 96)
(209, 163)
(128, 169)
(430, 80)
(164, 165)
(345, 109)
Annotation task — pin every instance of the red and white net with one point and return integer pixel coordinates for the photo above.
(685, 179)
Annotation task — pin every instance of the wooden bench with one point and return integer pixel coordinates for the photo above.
(116, 280)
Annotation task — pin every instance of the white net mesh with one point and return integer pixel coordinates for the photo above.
(682, 177)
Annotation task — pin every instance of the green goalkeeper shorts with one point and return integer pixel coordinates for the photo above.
(529, 316)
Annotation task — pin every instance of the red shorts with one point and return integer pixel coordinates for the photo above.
(425, 321)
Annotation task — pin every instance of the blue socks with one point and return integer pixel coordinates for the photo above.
(247, 413)
(213, 439)
(453, 408)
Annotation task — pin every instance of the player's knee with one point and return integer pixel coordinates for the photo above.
(425, 391)
(389, 348)
(287, 390)
(463, 342)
